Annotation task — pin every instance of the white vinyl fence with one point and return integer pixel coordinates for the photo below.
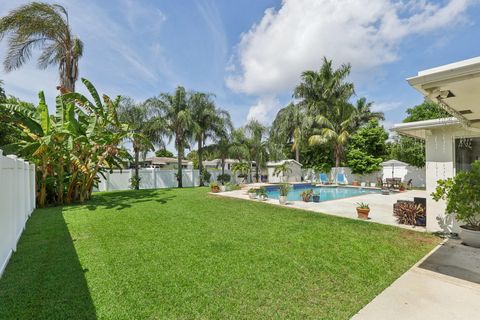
(17, 202)
(152, 178)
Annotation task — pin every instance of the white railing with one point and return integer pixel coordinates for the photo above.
(17, 202)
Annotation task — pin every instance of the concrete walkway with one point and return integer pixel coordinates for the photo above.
(381, 206)
(435, 288)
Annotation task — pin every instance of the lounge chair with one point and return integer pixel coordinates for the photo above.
(340, 179)
(324, 178)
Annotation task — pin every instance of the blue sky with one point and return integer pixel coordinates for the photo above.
(250, 53)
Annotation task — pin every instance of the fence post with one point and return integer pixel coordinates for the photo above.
(155, 178)
(33, 188)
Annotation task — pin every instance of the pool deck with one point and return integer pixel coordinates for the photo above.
(381, 206)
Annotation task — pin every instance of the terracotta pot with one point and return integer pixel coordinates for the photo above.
(215, 189)
(355, 183)
(363, 213)
(307, 198)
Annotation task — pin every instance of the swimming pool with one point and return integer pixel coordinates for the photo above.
(326, 192)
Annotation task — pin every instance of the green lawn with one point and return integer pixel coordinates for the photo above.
(183, 254)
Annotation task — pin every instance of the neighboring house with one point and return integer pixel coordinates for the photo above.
(452, 144)
(294, 175)
(217, 164)
(165, 163)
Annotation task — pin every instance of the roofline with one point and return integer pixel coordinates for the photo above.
(426, 124)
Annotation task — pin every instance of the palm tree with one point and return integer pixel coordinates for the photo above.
(335, 127)
(257, 146)
(46, 27)
(209, 122)
(290, 126)
(282, 169)
(242, 168)
(174, 109)
(146, 131)
(365, 113)
(230, 146)
(321, 90)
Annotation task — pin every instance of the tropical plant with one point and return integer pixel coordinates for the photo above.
(364, 113)
(223, 178)
(71, 147)
(320, 91)
(257, 145)
(241, 168)
(282, 169)
(291, 126)
(336, 128)
(284, 189)
(205, 175)
(175, 114)
(209, 122)
(307, 194)
(146, 132)
(462, 194)
(408, 212)
(44, 26)
(363, 205)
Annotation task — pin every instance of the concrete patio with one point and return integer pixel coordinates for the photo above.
(443, 285)
(381, 206)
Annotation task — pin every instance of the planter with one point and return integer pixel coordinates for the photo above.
(373, 184)
(363, 184)
(223, 188)
(252, 195)
(215, 189)
(282, 199)
(262, 198)
(421, 221)
(306, 199)
(470, 237)
(316, 198)
(355, 183)
(362, 213)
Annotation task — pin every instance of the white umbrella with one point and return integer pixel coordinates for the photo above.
(392, 163)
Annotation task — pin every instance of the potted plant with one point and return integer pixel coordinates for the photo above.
(402, 187)
(409, 212)
(316, 197)
(223, 178)
(373, 184)
(284, 190)
(355, 183)
(462, 195)
(214, 187)
(262, 194)
(306, 195)
(363, 209)
(252, 193)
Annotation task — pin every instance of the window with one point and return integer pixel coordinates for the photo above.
(467, 150)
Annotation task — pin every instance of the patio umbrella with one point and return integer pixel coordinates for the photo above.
(392, 163)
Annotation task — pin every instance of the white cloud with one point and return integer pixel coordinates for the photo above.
(273, 53)
(264, 110)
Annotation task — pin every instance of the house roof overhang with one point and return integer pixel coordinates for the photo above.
(422, 129)
(455, 86)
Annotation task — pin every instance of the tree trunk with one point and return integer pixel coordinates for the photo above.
(137, 182)
(338, 155)
(257, 170)
(200, 159)
(42, 197)
(223, 166)
(60, 186)
(297, 152)
(179, 164)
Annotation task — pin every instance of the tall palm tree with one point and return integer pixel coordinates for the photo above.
(335, 127)
(208, 122)
(291, 126)
(232, 145)
(320, 90)
(43, 26)
(147, 132)
(175, 110)
(257, 145)
(365, 113)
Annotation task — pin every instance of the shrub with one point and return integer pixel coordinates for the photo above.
(223, 178)
(134, 182)
(307, 194)
(363, 205)
(408, 212)
(462, 194)
(252, 190)
(206, 175)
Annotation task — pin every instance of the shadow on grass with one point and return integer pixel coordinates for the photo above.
(44, 279)
(120, 200)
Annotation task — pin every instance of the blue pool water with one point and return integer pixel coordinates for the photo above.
(326, 192)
